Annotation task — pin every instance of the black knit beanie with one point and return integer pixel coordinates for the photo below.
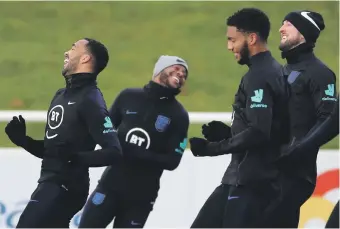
(308, 23)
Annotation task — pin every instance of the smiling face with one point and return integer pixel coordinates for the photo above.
(76, 56)
(290, 36)
(238, 45)
(173, 76)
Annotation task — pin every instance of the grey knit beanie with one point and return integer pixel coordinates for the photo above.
(165, 61)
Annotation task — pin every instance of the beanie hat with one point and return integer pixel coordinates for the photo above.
(165, 61)
(308, 23)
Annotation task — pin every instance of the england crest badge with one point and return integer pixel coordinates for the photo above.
(162, 123)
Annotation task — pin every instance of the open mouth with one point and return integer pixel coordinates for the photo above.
(65, 62)
(177, 80)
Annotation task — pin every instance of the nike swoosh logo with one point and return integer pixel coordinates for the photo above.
(70, 103)
(305, 15)
(64, 187)
(131, 112)
(33, 201)
(233, 197)
(134, 223)
(50, 137)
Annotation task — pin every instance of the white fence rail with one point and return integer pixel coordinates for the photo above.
(40, 116)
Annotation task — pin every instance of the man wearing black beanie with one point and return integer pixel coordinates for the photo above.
(312, 87)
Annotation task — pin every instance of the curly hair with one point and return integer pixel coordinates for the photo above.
(251, 20)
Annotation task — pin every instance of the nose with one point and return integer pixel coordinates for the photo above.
(281, 29)
(230, 46)
(180, 74)
(65, 54)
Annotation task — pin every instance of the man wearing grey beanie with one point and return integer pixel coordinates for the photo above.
(312, 87)
(152, 128)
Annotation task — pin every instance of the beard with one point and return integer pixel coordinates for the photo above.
(288, 45)
(244, 54)
(164, 79)
(69, 69)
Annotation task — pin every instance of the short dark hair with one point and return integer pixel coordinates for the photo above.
(251, 20)
(100, 54)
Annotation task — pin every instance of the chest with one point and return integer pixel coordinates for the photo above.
(146, 123)
(242, 93)
(63, 117)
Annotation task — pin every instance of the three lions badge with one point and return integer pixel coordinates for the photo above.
(162, 123)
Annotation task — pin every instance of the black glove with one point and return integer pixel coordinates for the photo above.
(198, 146)
(16, 131)
(216, 131)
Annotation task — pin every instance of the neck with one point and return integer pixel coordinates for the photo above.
(80, 79)
(258, 49)
(297, 53)
(160, 92)
(158, 81)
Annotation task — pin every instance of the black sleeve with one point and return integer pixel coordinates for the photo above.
(93, 111)
(174, 149)
(115, 110)
(34, 147)
(323, 133)
(322, 87)
(258, 112)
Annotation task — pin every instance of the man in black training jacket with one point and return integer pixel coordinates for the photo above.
(152, 128)
(256, 134)
(77, 120)
(312, 92)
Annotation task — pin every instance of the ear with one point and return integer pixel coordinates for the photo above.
(85, 58)
(252, 38)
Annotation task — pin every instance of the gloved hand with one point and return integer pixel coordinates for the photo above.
(216, 131)
(16, 131)
(198, 146)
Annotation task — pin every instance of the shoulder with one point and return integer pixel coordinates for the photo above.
(94, 96)
(181, 114)
(318, 71)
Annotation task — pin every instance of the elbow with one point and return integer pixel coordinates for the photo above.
(172, 165)
(115, 155)
(260, 136)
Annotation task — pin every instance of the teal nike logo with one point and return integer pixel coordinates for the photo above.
(182, 146)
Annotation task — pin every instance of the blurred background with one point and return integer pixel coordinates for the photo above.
(34, 36)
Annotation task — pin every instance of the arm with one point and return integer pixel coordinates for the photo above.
(175, 148)
(258, 112)
(34, 147)
(115, 110)
(322, 88)
(16, 131)
(323, 133)
(94, 113)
